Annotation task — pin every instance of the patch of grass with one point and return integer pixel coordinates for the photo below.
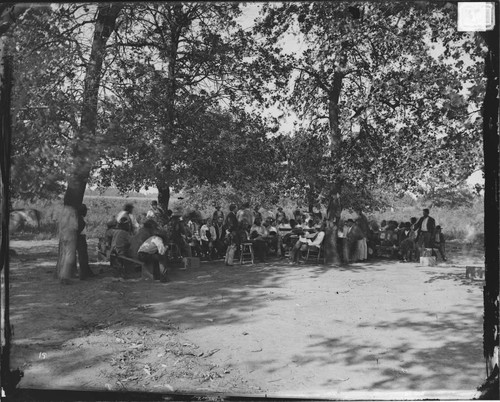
(463, 223)
(100, 211)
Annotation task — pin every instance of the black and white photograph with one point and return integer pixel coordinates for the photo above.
(249, 200)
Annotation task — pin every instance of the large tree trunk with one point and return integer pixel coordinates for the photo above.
(163, 195)
(334, 209)
(171, 49)
(5, 135)
(333, 212)
(84, 153)
(491, 194)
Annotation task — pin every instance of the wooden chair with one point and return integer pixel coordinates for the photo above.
(315, 251)
(126, 266)
(246, 251)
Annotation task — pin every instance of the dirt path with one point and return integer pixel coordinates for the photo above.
(272, 328)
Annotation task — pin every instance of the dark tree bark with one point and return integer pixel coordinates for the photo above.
(84, 152)
(334, 209)
(9, 13)
(491, 194)
(163, 196)
(5, 127)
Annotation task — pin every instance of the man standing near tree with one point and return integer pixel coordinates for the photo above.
(425, 226)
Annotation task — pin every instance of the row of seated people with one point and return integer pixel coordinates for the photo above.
(404, 240)
(212, 241)
(206, 240)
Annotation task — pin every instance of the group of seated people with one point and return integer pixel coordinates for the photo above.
(406, 240)
(175, 235)
(165, 236)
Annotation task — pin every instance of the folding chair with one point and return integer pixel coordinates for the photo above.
(315, 251)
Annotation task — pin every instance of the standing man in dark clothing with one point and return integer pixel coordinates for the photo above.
(81, 245)
(256, 213)
(231, 225)
(220, 231)
(425, 226)
(217, 214)
(179, 235)
(231, 222)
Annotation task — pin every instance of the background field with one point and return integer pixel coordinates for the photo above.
(460, 223)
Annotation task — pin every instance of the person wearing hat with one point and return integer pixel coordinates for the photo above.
(178, 232)
(217, 214)
(127, 212)
(425, 226)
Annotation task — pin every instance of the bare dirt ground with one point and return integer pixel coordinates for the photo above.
(268, 329)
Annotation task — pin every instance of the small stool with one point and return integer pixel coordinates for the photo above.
(426, 252)
(246, 251)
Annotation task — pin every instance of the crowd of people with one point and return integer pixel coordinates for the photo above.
(166, 235)
(409, 239)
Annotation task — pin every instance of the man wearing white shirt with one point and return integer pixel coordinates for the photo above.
(305, 242)
(208, 236)
(153, 249)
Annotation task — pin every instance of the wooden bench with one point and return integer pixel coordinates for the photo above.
(147, 268)
(474, 272)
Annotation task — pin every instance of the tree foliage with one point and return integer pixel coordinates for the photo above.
(179, 77)
(390, 111)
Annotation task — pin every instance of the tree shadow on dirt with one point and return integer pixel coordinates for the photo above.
(453, 361)
(214, 294)
(456, 277)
